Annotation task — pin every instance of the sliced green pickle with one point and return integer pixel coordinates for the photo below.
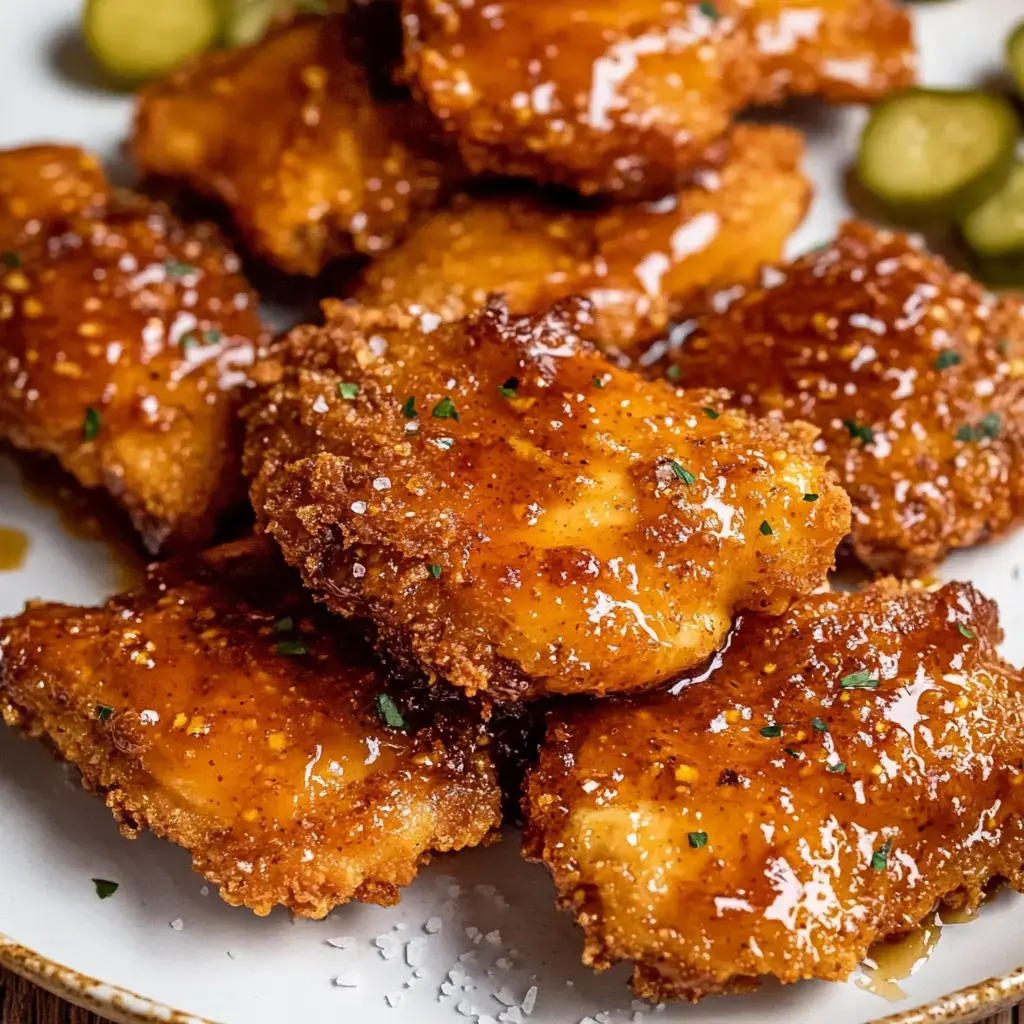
(937, 152)
(138, 39)
(246, 21)
(1015, 56)
(996, 228)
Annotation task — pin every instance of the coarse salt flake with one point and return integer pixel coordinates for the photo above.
(349, 979)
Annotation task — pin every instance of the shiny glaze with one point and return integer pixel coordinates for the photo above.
(275, 771)
(634, 262)
(850, 334)
(889, 963)
(332, 169)
(623, 96)
(570, 555)
(14, 545)
(111, 309)
(785, 885)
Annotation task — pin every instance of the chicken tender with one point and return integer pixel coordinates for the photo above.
(331, 169)
(844, 770)
(624, 96)
(124, 341)
(635, 263)
(517, 515)
(219, 708)
(913, 373)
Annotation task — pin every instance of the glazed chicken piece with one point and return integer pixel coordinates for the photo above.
(330, 171)
(913, 374)
(124, 341)
(636, 262)
(219, 708)
(624, 96)
(517, 515)
(845, 769)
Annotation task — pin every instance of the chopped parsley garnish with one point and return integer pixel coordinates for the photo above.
(810, 497)
(508, 389)
(103, 712)
(435, 570)
(348, 390)
(388, 711)
(862, 680)
(91, 424)
(213, 337)
(682, 474)
(598, 382)
(285, 625)
(947, 358)
(11, 260)
(290, 648)
(709, 10)
(710, 413)
(819, 725)
(793, 753)
(697, 839)
(189, 341)
(104, 888)
(859, 431)
(1002, 345)
(178, 269)
(880, 858)
(986, 428)
(674, 372)
(766, 528)
(966, 631)
(771, 731)
(445, 410)
(409, 408)
(839, 768)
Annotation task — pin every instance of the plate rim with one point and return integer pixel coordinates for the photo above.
(123, 1006)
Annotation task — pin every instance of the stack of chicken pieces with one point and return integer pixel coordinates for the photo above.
(572, 459)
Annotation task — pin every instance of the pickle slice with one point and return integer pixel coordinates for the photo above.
(937, 152)
(246, 21)
(1015, 56)
(138, 39)
(996, 228)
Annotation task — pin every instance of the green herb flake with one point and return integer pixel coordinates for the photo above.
(682, 474)
(880, 858)
(435, 570)
(290, 648)
(409, 408)
(285, 625)
(178, 269)
(599, 382)
(444, 443)
(771, 732)
(947, 358)
(859, 431)
(1002, 346)
(709, 10)
(91, 424)
(697, 839)
(793, 753)
(810, 497)
(213, 337)
(189, 341)
(11, 260)
(104, 888)
(987, 428)
(103, 712)
(348, 390)
(674, 372)
(766, 528)
(710, 413)
(388, 711)
(819, 725)
(508, 389)
(966, 631)
(862, 680)
(839, 768)
(445, 410)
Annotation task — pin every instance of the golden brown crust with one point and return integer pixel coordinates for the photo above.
(622, 96)
(108, 303)
(332, 168)
(913, 374)
(768, 821)
(634, 262)
(274, 769)
(582, 530)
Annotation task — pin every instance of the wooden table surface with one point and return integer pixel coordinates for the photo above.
(22, 1003)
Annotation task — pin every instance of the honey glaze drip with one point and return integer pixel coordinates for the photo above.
(14, 545)
(891, 962)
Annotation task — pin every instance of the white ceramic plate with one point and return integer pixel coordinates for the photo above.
(162, 934)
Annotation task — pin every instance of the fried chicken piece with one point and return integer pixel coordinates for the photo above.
(844, 770)
(124, 340)
(517, 515)
(289, 135)
(634, 262)
(624, 96)
(912, 372)
(219, 708)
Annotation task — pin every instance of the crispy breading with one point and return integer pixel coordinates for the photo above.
(329, 168)
(913, 373)
(635, 262)
(842, 771)
(516, 514)
(624, 96)
(124, 340)
(221, 709)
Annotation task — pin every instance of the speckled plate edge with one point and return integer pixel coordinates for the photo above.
(124, 1007)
